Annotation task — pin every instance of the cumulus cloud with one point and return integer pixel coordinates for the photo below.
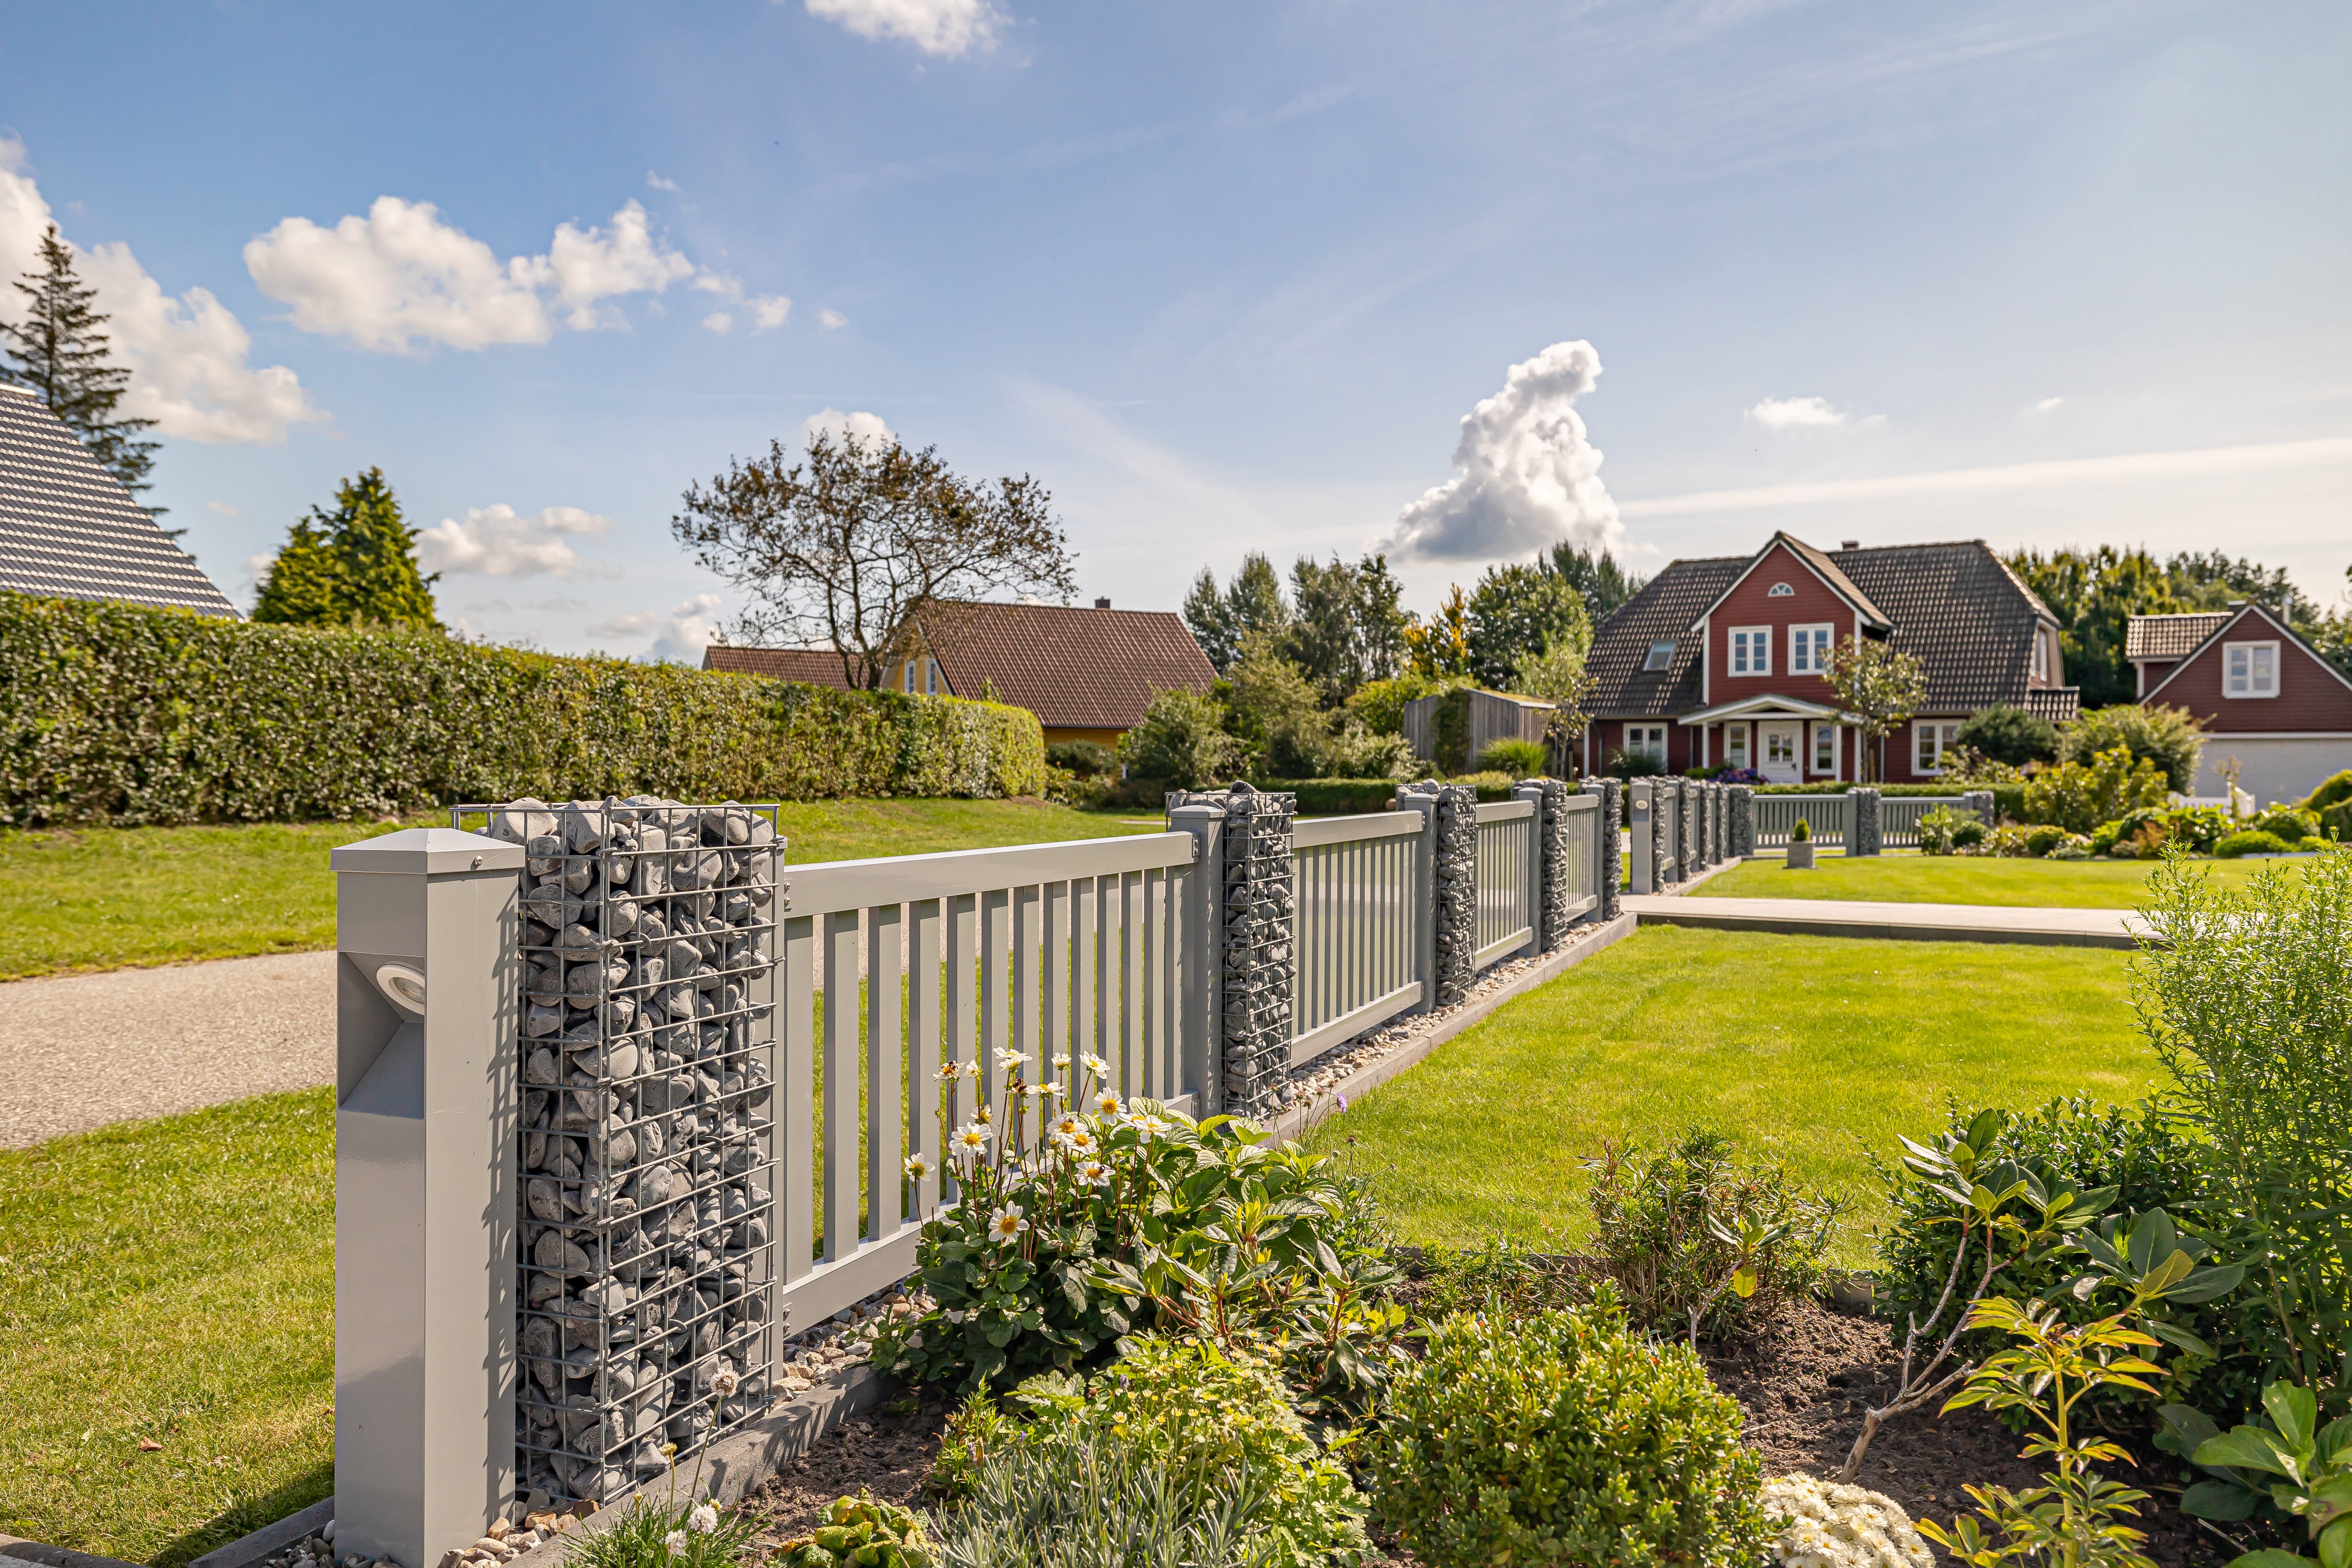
(498, 542)
(840, 426)
(829, 320)
(1528, 476)
(947, 27)
(187, 355)
(768, 312)
(1789, 413)
(401, 278)
(682, 634)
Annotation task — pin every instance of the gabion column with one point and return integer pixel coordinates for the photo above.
(649, 951)
(1711, 849)
(1257, 962)
(1609, 831)
(1454, 891)
(1694, 832)
(1982, 802)
(1741, 813)
(1720, 799)
(1663, 804)
(1863, 833)
(1551, 798)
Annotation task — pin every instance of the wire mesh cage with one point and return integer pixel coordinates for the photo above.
(648, 1046)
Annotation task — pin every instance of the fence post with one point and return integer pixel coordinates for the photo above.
(1550, 870)
(1607, 829)
(1424, 881)
(1864, 836)
(1720, 801)
(1674, 841)
(1641, 833)
(1741, 810)
(1201, 948)
(1712, 852)
(426, 985)
(1981, 802)
(1454, 888)
(1694, 847)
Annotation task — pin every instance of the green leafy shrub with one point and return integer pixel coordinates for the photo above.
(2072, 847)
(1182, 742)
(2078, 796)
(1380, 704)
(2012, 839)
(2008, 734)
(2286, 1471)
(2242, 844)
(2334, 789)
(2290, 824)
(2043, 838)
(1497, 1277)
(1087, 793)
(1564, 1438)
(1673, 1230)
(1215, 1428)
(861, 1531)
(1944, 830)
(123, 714)
(1087, 759)
(2167, 738)
(1338, 797)
(1800, 832)
(1520, 759)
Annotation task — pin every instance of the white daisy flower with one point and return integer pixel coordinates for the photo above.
(1066, 1124)
(1006, 1223)
(1106, 1104)
(1009, 1060)
(1042, 1091)
(1095, 1066)
(1062, 1062)
(1147, 1128)
(973, 1138)
(949, 1071)
(1093, 1174)
(1079, 1140)
(919, 1166)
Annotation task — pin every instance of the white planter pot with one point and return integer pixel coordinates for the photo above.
(1800, 856)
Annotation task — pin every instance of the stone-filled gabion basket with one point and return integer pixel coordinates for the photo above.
(1454, 897)
(1256, 891)
(1552, 826)
(648, 1047)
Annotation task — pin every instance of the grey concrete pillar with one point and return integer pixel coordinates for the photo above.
(1607, 832)
(1673, 833)
(1424, 879)
(1641, 834)
(1864, 836)
(1203, 971)
(1741, 813)
(427, 986)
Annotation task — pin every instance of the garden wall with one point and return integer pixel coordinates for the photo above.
(122, 714)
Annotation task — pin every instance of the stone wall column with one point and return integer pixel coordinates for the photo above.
(1982, 802)
(1607, 833)
(1862, 833)
(1552, 829)
(1257, 961)
(1454, 889)
(1739, 815)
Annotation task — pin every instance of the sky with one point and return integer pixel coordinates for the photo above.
(1451, 281)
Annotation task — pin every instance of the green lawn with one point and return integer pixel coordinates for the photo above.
(109, 898)
(1961, 880)
(1815, 1052)
(174, 1281)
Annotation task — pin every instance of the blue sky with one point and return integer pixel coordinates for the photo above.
(1225, 276)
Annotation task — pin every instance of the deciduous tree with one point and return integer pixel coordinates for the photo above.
(1880, 686)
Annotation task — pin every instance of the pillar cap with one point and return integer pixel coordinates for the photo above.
(426, 852)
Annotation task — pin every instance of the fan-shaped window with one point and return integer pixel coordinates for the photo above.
(1781, 591)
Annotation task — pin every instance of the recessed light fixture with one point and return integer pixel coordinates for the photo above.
(403, 985)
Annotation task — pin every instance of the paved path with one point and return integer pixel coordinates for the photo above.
(1899, 922)
(82, 1050)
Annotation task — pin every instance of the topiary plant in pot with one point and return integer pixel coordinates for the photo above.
(1801, 846)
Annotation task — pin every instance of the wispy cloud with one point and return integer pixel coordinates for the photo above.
(1790, 413)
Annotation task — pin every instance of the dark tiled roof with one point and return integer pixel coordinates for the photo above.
(70, 530)
(2170, 636)
(1661, 612)
(2058, 704)
(1075, 668)
(805, 665)
(1960, 612)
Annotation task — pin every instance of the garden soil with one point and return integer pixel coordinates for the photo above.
(1804, 1381)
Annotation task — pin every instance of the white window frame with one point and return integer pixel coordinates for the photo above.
(2041, 656)
(1648, 732)
(1797, 757)
(1735, 746)
(1930, 739)
(1751, 651)
(1651, 661)
(1800, 646)
(1828, 733)
(2233, 654)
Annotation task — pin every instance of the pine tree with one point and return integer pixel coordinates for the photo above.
(350, 566)
(61, 351)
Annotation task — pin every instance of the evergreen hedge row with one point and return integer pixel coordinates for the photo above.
(122, 714)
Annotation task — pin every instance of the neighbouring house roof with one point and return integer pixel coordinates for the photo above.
(2226, 621)
(1076, 668)
(1955, 608)
(2058, 704)
(2171, 637)
(805, 665)
(69, 530)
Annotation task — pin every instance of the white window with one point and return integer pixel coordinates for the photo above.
(1735, 745)
(1647, 741)
(1751, 651)
(1661, 654)
(1809, 649)
(2041, 656)
(1931, 742)
(2251, 669)
(920, 675)
(1825, 748)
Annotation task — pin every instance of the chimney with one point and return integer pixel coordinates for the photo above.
(1102, 603)
(1849, 544)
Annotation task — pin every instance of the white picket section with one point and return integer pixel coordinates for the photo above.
(1900, 815)
(1827, 814)
(1585, 854)
(1356, 898)
(1508, 899)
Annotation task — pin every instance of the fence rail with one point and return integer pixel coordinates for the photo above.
(1829, 817)
(1508, 898)
(1900, 815)
(1357, 891)
(1587, 852)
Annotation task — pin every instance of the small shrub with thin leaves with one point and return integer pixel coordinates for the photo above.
(1087, 759)
(666, 1532)
(1944, 830)
(1565, 1438)
(1182, 742)
(1497, 1277)
(1521, 759)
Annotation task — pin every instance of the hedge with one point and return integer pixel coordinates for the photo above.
(122, 714)
(2008, 799)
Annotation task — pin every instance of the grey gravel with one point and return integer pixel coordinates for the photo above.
(79, 1051)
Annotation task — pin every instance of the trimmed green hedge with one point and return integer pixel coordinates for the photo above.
(122, 714)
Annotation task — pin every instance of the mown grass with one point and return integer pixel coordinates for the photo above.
(112, 898)
(1906, 878)
(171, 1281)
(1814, 1052)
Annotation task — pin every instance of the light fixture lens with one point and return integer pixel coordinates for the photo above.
(405, 985)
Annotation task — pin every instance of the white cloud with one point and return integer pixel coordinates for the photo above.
(401, 277)
(657, 183)
(1785, 413)
(222, 509)
(865, 426)
(682, 634)
(186, 356)
(2045, 406)
(718, 321)
(496, 542)
(1528, 476)
(829, 320)
(768, 312)
(935, 26)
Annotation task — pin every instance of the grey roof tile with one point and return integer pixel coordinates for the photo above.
(2170, 636)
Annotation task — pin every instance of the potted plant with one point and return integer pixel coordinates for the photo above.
(1801, 846)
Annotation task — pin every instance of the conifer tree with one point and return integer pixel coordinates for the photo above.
(300, 590)
(350, 566)
(61, 351)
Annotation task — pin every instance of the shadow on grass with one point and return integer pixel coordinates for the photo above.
(247, 1514)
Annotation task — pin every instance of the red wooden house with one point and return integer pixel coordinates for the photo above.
(2270, 703)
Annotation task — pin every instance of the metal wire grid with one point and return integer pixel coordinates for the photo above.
(647, 1040)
